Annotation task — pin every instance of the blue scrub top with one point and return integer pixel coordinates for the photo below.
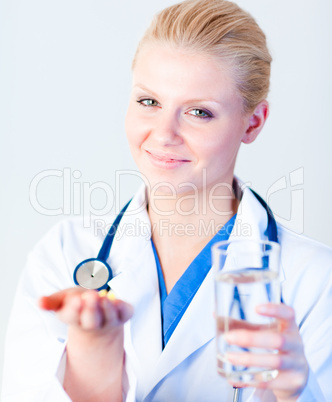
(174, 305)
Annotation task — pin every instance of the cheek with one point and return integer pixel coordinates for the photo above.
(220, 149)
(136, 129)
(209, 146)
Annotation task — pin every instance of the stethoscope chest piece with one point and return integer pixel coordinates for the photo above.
(92, 274)
(95, 273)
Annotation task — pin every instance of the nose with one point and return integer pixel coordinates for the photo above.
(166, 130)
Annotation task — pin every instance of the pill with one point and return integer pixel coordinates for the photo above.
(103, 293)
(111, 295)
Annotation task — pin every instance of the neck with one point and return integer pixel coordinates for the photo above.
(182, 224)
(187, 212)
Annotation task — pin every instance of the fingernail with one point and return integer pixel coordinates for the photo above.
(85, 295)
(89, 298)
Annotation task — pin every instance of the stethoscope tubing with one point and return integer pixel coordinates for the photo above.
(104, 252)
(95, 273)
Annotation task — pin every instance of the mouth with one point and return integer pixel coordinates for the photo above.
(167, 157)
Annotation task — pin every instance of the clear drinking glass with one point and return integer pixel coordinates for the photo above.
(247, 276)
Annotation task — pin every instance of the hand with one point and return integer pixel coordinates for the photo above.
(86, 310)
(95, 353)
(290, 360)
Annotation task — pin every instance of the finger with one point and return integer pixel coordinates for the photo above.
(264, 339)
(125, 311)
(116, 312)
(110, 312)
(91, 316)
(69, 313)
(286, 381)
(266, 360)
(285, 314)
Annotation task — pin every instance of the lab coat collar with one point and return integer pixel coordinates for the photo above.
(251, 221)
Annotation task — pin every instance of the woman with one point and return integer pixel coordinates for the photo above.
(200, 82)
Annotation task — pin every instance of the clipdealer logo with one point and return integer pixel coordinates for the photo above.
(78, 194)
(145, 229)
(291, 187)
(77, 197)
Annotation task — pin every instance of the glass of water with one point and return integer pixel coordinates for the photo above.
(247, 276)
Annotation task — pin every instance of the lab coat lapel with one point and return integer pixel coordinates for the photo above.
(251, 222)
(251, 219)
(195, 329)
(136, 282)
(139, 287)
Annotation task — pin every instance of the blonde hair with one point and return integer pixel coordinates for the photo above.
(220, 29)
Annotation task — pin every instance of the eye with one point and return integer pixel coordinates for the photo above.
(202, 114)
(148, 102)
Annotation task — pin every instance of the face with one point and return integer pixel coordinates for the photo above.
(184, 118)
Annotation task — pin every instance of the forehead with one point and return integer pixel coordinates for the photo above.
(165, 69)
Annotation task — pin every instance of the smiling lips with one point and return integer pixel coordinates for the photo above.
(168, 161)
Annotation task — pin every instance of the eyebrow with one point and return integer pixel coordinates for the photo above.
(139, 86)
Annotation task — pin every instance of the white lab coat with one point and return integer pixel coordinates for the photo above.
(186, 369)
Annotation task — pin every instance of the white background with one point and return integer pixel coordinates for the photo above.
(64, 86)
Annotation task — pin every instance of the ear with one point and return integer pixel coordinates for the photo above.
(256, 121)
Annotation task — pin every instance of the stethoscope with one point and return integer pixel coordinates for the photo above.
(95, 273)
